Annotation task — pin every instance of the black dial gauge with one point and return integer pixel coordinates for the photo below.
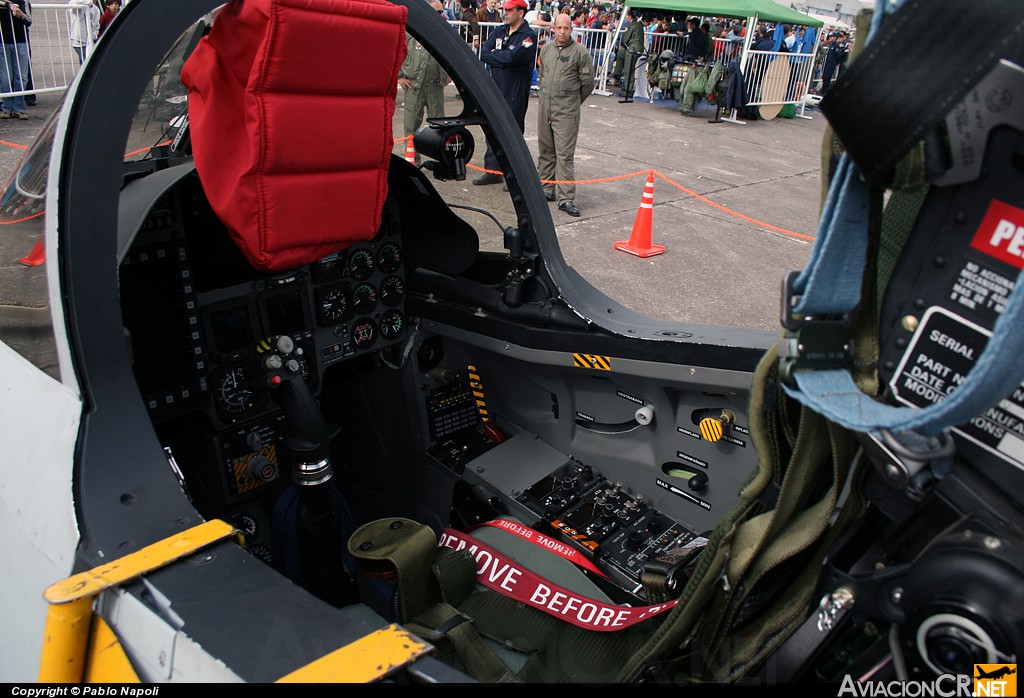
(360, 264)
(392, 290)
(301, 355)
(333, 305)
(364, 299)
(331, 267)
(389, 257)
(262, 552)
(364, 333)
(391, 324)
(246, 523)
(234, 396)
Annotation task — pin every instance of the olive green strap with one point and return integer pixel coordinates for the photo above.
(747, 649)
(444, 622)
(900, 215)
(766, 541)
(756, 538)
(708, 575)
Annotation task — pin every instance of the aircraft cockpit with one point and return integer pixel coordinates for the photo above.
(394, 338)
(283, 312)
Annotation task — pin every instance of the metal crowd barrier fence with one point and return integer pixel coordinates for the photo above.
(726, 50)
(767, 83)
(599, 43)
(53, 63)
(804, 70)
(658, 43)
(596, 40)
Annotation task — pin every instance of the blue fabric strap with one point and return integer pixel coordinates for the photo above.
(1000, 368)
(830, 284)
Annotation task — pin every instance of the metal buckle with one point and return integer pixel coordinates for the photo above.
(811, 342)
(899, 462)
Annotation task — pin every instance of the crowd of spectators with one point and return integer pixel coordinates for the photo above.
(687, 39)
(700, 41)
(693, 38)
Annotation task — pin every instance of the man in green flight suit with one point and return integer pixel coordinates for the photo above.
(632, 46)
(423, 83)
(566, 80)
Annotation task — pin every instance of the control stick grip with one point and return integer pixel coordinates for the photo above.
(308, 433)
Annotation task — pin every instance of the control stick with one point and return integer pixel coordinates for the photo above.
(309, 436)
(312, 521)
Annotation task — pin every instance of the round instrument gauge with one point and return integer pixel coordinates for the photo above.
(261, 552)
(364, 333)
(301, 355)
(389, 257)
(334, 306)
(246, 523)
(364, 298)
(234, 396)
(391, 324)
(360, 264)
(392, 290)
(331, 267)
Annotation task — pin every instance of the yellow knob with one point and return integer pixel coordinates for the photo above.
(712, 428)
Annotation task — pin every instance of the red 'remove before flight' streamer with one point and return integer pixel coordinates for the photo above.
(503, 575)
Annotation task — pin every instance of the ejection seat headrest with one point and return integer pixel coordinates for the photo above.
(290, 110)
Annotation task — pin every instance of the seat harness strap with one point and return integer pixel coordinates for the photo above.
(829, 287)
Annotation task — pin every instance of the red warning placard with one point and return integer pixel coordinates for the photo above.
(1001, 234)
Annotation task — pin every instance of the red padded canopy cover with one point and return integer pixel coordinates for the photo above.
(290, 109)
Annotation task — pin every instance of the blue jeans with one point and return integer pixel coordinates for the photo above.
(13, 70)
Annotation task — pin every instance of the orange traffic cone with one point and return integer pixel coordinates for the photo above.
(36, 257)
(410, 151)
(639, 242)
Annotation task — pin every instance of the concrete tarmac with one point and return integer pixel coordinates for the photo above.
(735, 206)
(739, 186)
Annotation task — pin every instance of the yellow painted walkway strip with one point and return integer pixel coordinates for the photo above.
(369, 658)
(152, 557)
(69, 621)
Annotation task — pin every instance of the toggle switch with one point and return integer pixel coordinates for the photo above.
(712, 428)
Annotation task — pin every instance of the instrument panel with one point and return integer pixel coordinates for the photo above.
(184, 265)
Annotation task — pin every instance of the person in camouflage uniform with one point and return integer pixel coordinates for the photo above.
(632, 46)
(423, 83)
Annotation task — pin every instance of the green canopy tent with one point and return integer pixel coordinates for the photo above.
(751, 10)
(742, 9)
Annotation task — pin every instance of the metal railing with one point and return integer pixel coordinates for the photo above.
(53, 63)
(595, 40)
(804, 71)
(766, 85)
